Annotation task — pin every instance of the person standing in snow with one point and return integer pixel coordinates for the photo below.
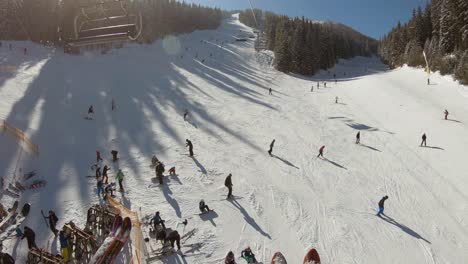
(248, 255)
(424, 137)
(270, 91)
(173, 236)
(336, 99)
(98, 172)
(114, 155)
(120, 175)
(98, 156)
(159, 169)
(428, 81)
(189, 144)
(157, 220)
(321, 151)
(325, 84)
(312, 88)
(90, 111)
(105, 178)
(446, 114)
(113, 104)
(381, 205)
(272, 144)
(30, 237)
(318, 85)
(53, 219)
(63, 239)
(230, 259)
(358, 137)
(228, 184)
(100, 187)
(185, 115)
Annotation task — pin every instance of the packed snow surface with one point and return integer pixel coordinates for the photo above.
(288, 202)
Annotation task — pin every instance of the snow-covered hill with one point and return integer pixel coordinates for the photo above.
(288, 202)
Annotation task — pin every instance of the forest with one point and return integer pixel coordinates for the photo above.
(305, 46)
(440, 30)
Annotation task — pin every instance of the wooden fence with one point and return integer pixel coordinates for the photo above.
(19, 134)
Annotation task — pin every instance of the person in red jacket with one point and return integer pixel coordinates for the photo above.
(321, 151)
(446, 114)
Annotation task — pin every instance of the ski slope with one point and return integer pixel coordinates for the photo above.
(288, 202)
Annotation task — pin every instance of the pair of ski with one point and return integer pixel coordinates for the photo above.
(119, 235)
(14, 219)
(15, 190)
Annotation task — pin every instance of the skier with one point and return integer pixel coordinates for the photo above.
(173, 236)
(321, 151)
(159, 171)
(114, 155)
(113, 104)
(318, 85)
(189, 144)
(228, 184)
(90, 111)
(30, 237)
(63, 239)
(358, 137)
(336, 99)
(312, 88)
(105, 178)
(185, 115)
(98, 156)
(423, 139)
(98, 171)
(381, 205)
(428, 81)
(230, 259)
(446, 114)
(270, 91)
(248, 255)
(325, 84)
(203, 207)
(53, 219)
(120, 177)
(157, 220)
(100, 188)
(272, 144)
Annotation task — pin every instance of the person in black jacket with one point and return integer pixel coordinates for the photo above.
(105, 178)
(189, 144)
(358, 137)
(173, 236)
(423, 139)
(272, 144)
(203, 207)
(159, 171)
(381, 205)
(53, 219)
(228, 184)
(30, 237)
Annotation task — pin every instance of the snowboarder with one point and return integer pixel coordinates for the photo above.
(381, 205)
(272, 144)
(114, 155)
(105, 178)
(159, 169)
(321, 151)
(446, 114)
(336, 99)
(172, 171)
(203, 207)
(173, 236)
(189, 144)
(157, 220)
(30, 237)
(230, 259)
(185, 115)
(270, 91)
(113, 104)
(98, 156)
(100, 187)
(358, 137)
(228, 184)
(53, 219)
(423, 139)
(120, 175)
(248, 255)
(63, 239)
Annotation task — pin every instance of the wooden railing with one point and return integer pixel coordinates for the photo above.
(19, 134)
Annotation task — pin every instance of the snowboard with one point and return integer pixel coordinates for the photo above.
(206, 212)
(312, 257)
(278, 258)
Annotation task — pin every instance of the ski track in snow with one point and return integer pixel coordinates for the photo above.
(287, 202)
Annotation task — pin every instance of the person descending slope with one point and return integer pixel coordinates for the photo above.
(230, 259)
(358, 137)
(189, 144)
(321, 151)
(228, 184)
(423, 139)
(248, 255)
(272, 144)
(381, 205)
(446, 114)
(270, 91)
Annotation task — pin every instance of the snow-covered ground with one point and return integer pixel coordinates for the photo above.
(288, 202)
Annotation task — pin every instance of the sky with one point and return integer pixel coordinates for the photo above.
(371, 17)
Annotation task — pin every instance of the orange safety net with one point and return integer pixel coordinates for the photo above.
(136, 234)
(19, 134)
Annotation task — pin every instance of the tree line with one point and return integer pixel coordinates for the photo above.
(52, 21)
(305, 46)
(440, 30)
